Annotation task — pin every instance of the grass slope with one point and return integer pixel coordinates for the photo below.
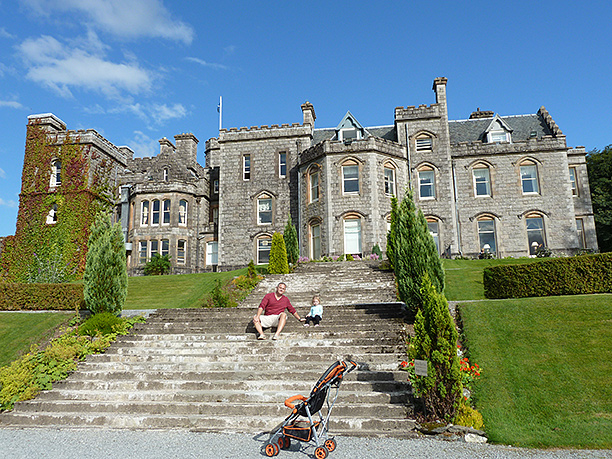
(546, 369)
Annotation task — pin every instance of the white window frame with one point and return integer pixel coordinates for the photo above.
(351, 179)
(166, 212)
(348, 223)
(182, 214)
(529, 179)
(484, 234)
(165, 247)
(282, 164)
(262, 212)
(143, 249)
(145, 215)
(165, 174)
(486, 181)
(343, 132)
(246, 167)
(497, 137)
(263, 248)
(56, 173)
(433, 226)
(315, 241)
(574, 181)
(216, 186)
(181, 254)
(424, 143)
(155, 214)
(427, 181)
(580, 232)
(52, 215)
(153, 248)
(212, 253)
(532, 233)
(389, 178)
(314, 187)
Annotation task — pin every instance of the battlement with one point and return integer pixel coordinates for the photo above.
(92, 137)
(264, 132)
(546, 143)
(549, 121)
(421, 112)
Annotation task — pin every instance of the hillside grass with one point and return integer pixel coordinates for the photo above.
(546, 365)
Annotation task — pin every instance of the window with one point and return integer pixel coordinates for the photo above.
(580, 231)
(389, 181)
(215, 215)
(142, 252)
(52, 215)
(144, 219)
(350, 178)
(529, 178)
(486, 235)
(427, 185)
(246, 167)
(212, 253)
(535, 233)
(282, 165)
(424, 143)
(155, 212)
(154, 248)
(180, 251)
(349, 134)
(165, 247)
(264, 210)
(56, 173)
(315, 242)
(432, 226)
(352, 236)
(497, 136)
(182, 212)
(215, 186)
(166, 213)
(314, 186)
(165, 174)
(263, 250)
(572, 171)
(482, 181)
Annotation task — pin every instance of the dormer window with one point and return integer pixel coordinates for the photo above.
(497, 137)
(349, 129)
(498, 131)
(347, 135)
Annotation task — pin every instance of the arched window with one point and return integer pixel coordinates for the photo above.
(427, 182)
(482, 180)
(264, 243)
(166, 212)
(529, 177)
(182, 212)
(144, 213)
(389, 177)
(155, 212)
(350, 177)
(424, 142)
(56, 173)
(264, 209)
(313, 177)
(52, 215)
(434, 229)
(315, 241)
(535, 232)
(486, 235)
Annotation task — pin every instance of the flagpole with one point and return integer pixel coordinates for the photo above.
(220, 110)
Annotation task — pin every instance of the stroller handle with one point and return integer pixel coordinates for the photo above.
(290, 400)
(352, 363)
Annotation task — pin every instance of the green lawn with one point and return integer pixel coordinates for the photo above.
(547, 363)
(168, 292)
(464, 277)
(18, 331)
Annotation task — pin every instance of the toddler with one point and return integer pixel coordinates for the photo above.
(316, 312)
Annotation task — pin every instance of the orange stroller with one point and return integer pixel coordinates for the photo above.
(311, 428)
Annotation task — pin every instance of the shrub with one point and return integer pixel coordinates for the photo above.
(158, 265)
(278, 256)
(349, 257)
(251, 270)
(558, 276)
(103, 323)
(376, 251)
(38, 297)
(220, 297)
(468, 416)
(291, 242)
(105, 278)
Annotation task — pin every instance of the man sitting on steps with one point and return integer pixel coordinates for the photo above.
(271, 312)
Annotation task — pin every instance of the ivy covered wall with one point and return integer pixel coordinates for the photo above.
(47, 249)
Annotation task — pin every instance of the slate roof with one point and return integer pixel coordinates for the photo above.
(474, 130)
(384, 132)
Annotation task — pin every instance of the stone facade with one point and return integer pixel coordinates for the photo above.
(500, 184)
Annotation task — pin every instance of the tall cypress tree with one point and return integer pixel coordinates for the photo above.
(414, 254)
(278, 256)
(105, 277)
(291, 242)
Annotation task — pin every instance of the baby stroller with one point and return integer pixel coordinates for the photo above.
(311, 428)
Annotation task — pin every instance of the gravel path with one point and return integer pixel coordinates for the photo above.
(121, 444)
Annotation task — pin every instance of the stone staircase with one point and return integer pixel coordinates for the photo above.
(204, 369)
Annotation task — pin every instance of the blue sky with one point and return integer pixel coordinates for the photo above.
(139, 70)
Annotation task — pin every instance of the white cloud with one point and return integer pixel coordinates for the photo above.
(59, 67)
(162, 113)
(153, 114)
(10, 104)
(123, 18)
(5, 34)
(207, 64)
(142, 145)
(12, 204)
(2, 173)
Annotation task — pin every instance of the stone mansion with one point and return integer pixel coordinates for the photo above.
(499, 184)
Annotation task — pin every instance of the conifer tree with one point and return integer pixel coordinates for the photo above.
(414, 254)
(291, 242)
(278, 256)
(105, 277)
(435, 341)
(391, 233)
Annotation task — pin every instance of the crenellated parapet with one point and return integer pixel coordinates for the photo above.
(274, 131)
(546, 143)
(549, 121)
(421, 112)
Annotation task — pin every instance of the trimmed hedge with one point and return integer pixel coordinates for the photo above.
(558, 276)
(41, 297)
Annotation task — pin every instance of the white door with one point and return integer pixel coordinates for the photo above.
(212, 257)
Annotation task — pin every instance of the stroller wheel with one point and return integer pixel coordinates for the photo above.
(284, 442)
(271, 449)
(321, 452)
(330, 444)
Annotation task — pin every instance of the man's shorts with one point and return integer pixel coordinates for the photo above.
(270, 320)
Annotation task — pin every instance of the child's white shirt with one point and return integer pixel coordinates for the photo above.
(316, 310)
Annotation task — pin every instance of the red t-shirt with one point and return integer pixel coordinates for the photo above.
(272, 306)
